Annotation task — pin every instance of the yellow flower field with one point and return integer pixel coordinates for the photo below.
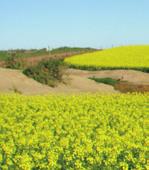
(80, 132)
(118, 57)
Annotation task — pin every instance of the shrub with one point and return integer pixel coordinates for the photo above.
(13, 62)
(106, 80)
(47, 72)
(71, 50)
(99, 68)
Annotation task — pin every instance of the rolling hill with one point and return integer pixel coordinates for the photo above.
(127, 57)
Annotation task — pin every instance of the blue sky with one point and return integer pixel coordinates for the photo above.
(54, 23)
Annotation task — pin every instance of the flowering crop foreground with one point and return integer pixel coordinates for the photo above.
(82, 132)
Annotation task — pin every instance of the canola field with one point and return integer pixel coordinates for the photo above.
(126, 57)
(82, 132)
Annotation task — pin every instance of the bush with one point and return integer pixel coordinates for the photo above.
(106, 80)
(47, 72)
(13, 62)
(98, 68)
(71, 50)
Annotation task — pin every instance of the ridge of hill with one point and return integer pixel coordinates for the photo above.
(126, 57)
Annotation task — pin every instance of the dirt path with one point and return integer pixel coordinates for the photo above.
(14, 80)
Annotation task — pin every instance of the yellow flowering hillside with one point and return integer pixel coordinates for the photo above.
(80, 132)
(119, 57)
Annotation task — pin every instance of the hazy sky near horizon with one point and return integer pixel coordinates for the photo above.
(54, 23)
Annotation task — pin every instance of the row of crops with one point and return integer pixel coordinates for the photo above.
(81, 132)
(134, 57)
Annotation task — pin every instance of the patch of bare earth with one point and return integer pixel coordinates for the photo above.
(132, 76)
(11, 80)
(130, 80)
(76, 82)
(130, 87)
(14, 80)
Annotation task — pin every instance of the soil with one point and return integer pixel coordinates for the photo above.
(132, 76)
(76, 82)
(129, 87)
